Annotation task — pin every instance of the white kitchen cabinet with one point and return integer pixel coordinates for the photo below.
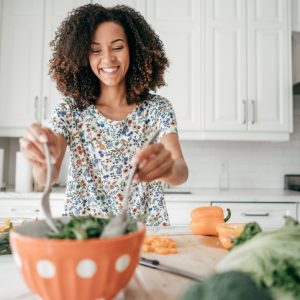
(136, 4)
(27, 93)
(180, 207)
(20, 63)
(268, 215)
(248, 92)
(230, 64)
(55, 12)
(296, 15)
(31, 209)
(178, 24)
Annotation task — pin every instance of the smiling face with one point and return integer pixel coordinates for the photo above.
(109, 54)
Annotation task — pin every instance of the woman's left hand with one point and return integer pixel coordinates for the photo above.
(153, 162)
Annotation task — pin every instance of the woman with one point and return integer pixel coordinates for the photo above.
(105, 62)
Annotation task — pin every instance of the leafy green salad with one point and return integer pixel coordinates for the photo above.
(85, 227)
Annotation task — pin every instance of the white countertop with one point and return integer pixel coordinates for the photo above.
(196, 195)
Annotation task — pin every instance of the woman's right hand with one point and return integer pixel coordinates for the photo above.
(31, 145)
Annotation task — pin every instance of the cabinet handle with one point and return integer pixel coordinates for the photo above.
(36, 107)
(253, 111)
(45, 108)
(255, 214)
(245, 106)
(35, 210)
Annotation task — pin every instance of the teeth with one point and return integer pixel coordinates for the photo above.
(109, 70)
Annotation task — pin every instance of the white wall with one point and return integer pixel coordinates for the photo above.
(251, 164)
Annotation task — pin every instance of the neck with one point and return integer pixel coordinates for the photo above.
(112, 96)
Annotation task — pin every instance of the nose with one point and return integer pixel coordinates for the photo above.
(108, 56)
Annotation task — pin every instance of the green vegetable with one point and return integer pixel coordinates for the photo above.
(232, 285)
(250, 230)
(272, 259)
(4, 241)
(85, 227)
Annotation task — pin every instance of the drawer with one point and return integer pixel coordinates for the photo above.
(180, 212)
(267, 215)
(28, 209)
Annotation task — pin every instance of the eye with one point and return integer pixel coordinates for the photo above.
(95, 51)
(117, 48)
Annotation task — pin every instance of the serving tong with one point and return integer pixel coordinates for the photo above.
(117, 225)
(48, 187)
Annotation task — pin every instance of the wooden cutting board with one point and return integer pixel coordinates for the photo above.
(196, 254)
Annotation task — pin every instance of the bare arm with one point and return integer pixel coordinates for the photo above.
(179, 171)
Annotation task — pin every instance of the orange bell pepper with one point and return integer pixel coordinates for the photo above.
(205, 219)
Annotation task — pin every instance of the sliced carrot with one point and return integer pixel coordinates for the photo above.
(160, 245)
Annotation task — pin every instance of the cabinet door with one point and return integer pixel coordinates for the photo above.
(225, 65)
(178, 25)
(28, 209)
(180, 210)
(136, 4)
(268, 215)
(20, 64)
(296, 15)
(269, 54)
(55, 12)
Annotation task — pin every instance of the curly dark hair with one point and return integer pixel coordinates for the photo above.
(70, 67)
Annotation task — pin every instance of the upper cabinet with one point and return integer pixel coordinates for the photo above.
(55, 12)
(296, 15)
(248, 88)
(180, 31)
(230, 64)
(20, 63)
(27, 94)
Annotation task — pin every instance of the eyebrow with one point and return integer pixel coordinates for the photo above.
(113, 41)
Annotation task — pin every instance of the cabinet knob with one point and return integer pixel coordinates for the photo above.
(253, 111)
(36, 108)
(255, 214)
(45, 108)
(25, 210)
(245, 109)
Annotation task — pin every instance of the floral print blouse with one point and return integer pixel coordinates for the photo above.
(101, 152)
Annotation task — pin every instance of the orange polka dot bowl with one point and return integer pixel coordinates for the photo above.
(66, 269)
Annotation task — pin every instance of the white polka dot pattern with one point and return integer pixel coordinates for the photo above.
(86, 268)
(122, 263)
(45, 268)
(18, 260)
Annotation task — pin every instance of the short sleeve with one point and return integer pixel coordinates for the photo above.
(62, 119)
(165, 115)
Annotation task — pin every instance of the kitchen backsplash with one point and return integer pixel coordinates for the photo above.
(250, 164)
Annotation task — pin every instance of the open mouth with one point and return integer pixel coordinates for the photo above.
(109, 70)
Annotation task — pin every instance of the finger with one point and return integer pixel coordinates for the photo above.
(30, 151)
(40, 135)
(154, 163)
(37, 135)
(162, 170)
(53, 145)
(37, 164)
(144, 153)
